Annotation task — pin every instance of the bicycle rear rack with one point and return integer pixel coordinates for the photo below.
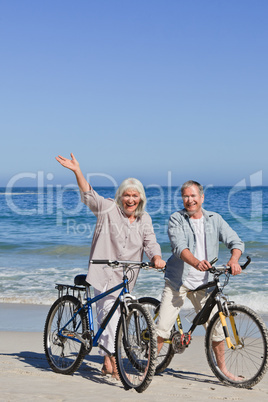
(80, 289)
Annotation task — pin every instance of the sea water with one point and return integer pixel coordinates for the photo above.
(46, 235)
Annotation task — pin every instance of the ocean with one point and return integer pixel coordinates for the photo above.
(46, 235)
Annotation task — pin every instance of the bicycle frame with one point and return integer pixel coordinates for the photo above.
(203, 315)
(87, 306)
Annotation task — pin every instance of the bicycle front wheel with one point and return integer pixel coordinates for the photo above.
(136, 348)
(63, 350)
(166, 353)
(245, 362)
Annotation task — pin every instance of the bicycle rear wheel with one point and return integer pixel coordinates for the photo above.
(166, 353)
(135, 353)
(64, 353)
(245, 365)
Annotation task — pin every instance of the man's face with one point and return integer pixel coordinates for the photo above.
(192, 201)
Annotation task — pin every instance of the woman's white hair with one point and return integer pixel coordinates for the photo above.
(133, 184)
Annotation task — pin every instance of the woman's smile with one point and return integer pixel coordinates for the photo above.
(130, 201)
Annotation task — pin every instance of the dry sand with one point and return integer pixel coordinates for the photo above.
(26, 376)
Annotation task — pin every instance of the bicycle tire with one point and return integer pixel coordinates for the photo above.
(64, 354)
(247, 363)
(167, 353)
(136, 364)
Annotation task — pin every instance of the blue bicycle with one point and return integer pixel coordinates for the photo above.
(69, 333)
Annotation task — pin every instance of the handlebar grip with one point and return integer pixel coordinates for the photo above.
(103, 262)
(213, 261)
(244, 266)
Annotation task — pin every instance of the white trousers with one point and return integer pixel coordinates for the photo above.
(171, 303)
(103, 306)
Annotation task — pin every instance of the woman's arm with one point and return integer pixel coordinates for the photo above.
(73, 165)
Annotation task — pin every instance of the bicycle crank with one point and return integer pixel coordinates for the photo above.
(180, 341)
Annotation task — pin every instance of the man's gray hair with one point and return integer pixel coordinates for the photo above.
(133, 184)
(191, 183)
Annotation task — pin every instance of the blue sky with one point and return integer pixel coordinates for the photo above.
(156, 89)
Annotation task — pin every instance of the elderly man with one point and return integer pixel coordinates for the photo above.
(194, 235)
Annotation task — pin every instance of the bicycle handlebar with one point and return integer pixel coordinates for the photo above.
(116, 263)
(142, 264)
(244, 266)
(214, 269)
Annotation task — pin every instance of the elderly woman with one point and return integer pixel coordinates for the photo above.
(123, 232)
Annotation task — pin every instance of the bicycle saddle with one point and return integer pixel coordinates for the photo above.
(80, 280)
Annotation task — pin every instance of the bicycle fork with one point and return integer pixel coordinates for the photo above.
(223, 316)
(124, 313)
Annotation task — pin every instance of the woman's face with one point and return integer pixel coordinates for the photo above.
(130, 200)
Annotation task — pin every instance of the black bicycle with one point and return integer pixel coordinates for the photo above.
(240, 357)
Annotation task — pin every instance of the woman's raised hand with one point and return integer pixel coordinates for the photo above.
(71, 164)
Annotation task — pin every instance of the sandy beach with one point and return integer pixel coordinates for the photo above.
(26, 376)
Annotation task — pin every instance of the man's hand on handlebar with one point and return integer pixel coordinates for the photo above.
(235, 267)
(203, 265)
(232, 266)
